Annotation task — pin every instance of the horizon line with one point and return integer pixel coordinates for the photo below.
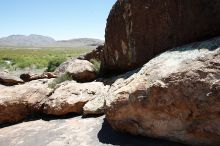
(64, 39)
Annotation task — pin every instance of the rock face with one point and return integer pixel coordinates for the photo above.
(137, 31)
(80, 70)
(17, 102)
(71, 97)
(175, 96)
(9, 80)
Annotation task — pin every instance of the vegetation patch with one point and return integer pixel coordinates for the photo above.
(20, 58)
(54, 63)
(60, 79)
(97, 65)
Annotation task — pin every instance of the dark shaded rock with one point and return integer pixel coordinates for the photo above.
(29, 77)
(139, 30)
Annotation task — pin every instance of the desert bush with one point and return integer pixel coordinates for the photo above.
(54, 63)
(97, 65)
(60, 79)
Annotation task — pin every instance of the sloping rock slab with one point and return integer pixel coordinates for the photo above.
(71, 132)
(175, 96)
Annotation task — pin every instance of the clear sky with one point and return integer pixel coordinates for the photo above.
(60, 19)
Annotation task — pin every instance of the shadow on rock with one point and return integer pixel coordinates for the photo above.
(45, 117)
(110, 77)
(109, 136)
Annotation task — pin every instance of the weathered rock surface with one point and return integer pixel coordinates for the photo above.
(80, 70)
(19, 101)
(96, 106)
(175, 96)
(75, 131)
(70, 97)
(9, 80)
(137, 31)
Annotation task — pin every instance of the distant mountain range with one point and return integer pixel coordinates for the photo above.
(44, 41)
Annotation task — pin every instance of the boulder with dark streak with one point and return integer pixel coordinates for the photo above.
(137, 31)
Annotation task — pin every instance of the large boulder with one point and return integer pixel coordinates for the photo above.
(70, 97)
(137, 31)
(80, 70)
(9, 80)
(175, 96)
(18, 102)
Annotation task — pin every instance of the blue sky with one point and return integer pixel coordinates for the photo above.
(60, 19)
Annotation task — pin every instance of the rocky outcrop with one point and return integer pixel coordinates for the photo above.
(137, 31)
(26, 77)
(96, 54)
(9, 80)
(70, 97)
(80, 70)
(175, 96)
(17, 102)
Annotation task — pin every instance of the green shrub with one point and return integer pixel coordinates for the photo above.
(54, 63)
(60, 79)
(97, 64)
(36, 58)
